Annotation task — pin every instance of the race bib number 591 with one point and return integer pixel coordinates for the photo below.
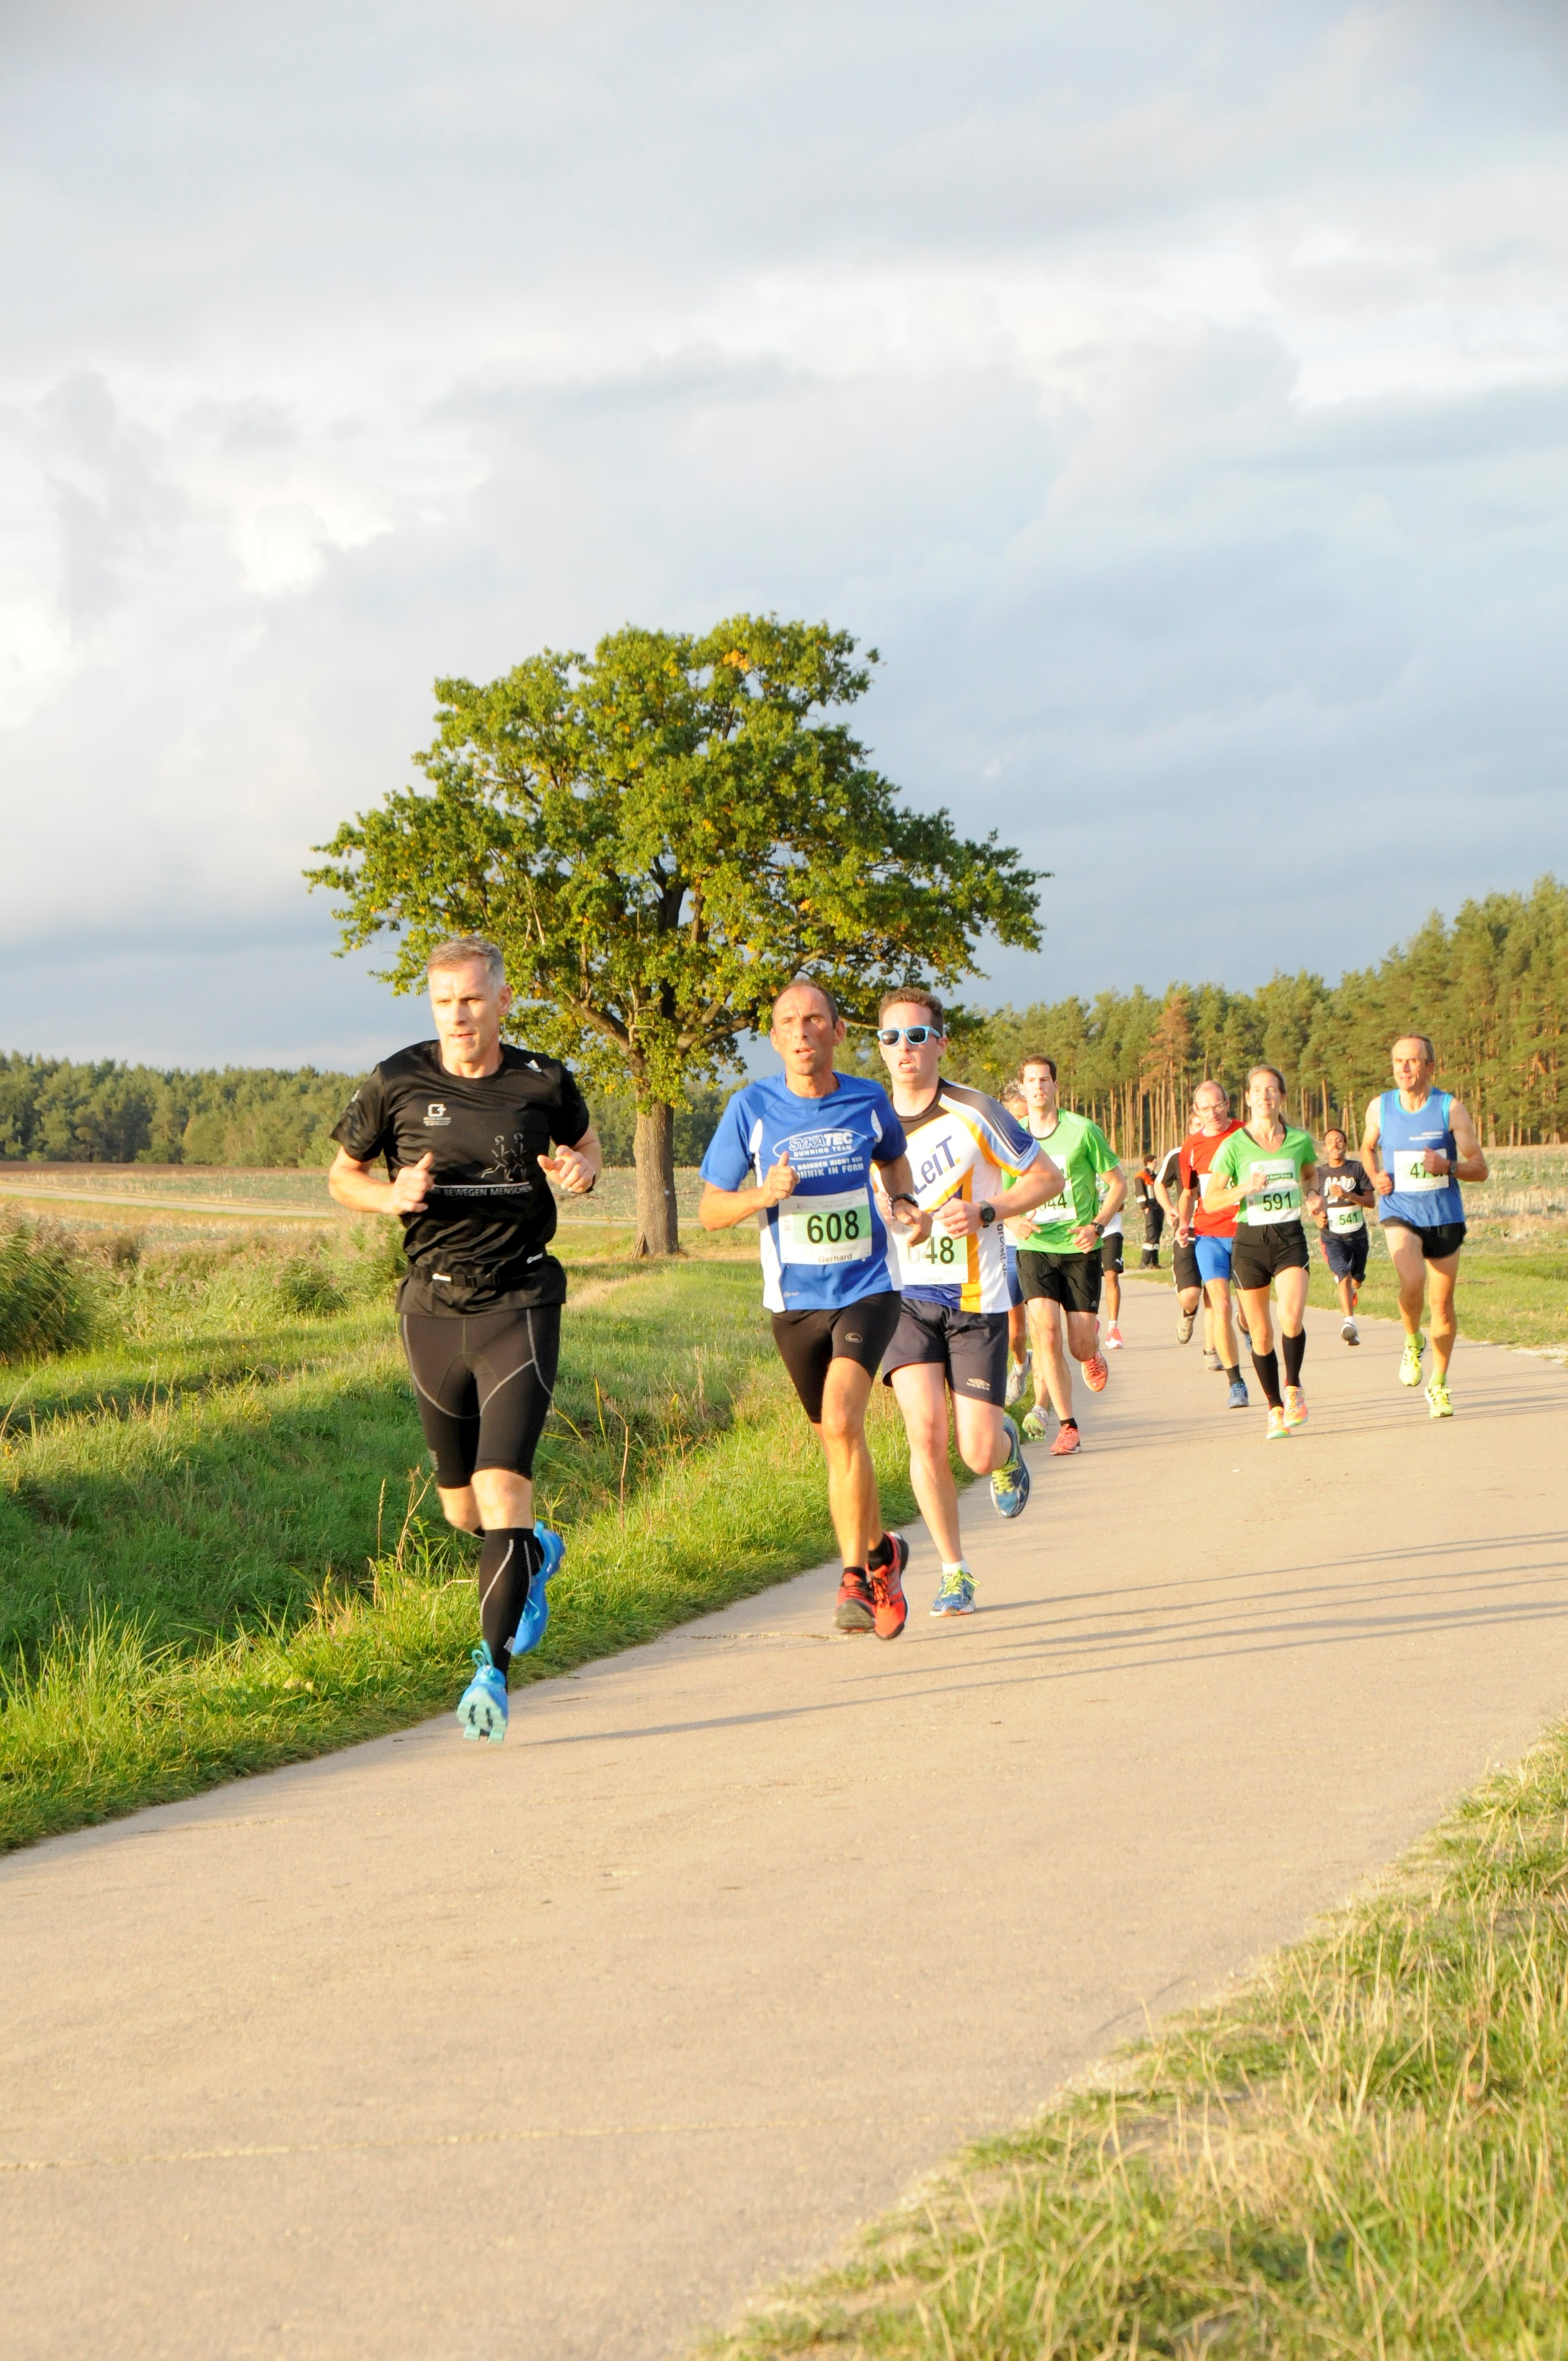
(826, 1229)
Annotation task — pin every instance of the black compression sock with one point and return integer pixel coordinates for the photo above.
(509, 1557)
(883, 1555)
(1295, 1350)
(1267, 1367)
(1068, 1419)
(1233, 1375)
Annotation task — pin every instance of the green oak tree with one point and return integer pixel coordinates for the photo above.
(659, 836)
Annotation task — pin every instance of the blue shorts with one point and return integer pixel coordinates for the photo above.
(1214, 1257)
(1014, 1292)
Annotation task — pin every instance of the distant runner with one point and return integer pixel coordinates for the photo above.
(973, 1167)
(1212, 1236)
(1267, 1171)
(1152, 1211)
(1060, 1265)
(466, 1124)
(812, 1141)
(1418, 1144)
(1348, 1194)
(1111, 1267)
(1185, 1276)
(1018, 1354)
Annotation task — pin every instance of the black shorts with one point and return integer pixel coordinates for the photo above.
(1110, 1253)
(483, 1381)
(1260, 1254)
(808, 1340)
(1184, 1271)
(1443, 1238)
(970, 1345)
(1344, 1251)
(1071, 1280)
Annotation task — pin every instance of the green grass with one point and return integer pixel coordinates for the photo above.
(1363, 2153)
(219, 1550)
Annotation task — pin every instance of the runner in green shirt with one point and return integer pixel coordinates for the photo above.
(1267, 1172)
(1059, 1256)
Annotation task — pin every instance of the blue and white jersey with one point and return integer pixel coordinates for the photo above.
(825, 1244)
(1419, 1199)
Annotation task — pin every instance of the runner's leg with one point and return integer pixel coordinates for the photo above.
(981, 1436)
(1082, 1335)
(1053, 1378)
(1442, 1277)
(1410, 1268)
(920, 1389)
(851, 1479)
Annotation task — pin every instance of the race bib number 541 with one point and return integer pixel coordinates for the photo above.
(826, 1229)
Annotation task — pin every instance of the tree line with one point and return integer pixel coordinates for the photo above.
(1491, 988)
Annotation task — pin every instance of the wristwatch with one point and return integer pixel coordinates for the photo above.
(1098, 1228)
(987, 1215)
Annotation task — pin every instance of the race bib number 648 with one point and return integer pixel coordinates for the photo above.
(826, 1229)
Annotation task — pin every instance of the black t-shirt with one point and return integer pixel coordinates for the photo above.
(479, 1241)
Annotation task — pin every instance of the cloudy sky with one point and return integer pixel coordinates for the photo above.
(1175, 391)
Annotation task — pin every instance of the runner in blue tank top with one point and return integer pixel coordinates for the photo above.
(1419, 1145)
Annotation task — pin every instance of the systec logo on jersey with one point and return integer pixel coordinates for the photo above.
(436, 1117)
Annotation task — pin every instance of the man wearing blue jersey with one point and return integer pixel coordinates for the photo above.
(1419, 1145)
(796, 1153)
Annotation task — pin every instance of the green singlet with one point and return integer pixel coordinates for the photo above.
(1082, 1151)
(1271, 1176)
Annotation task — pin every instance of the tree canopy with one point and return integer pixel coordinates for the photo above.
(660, 837)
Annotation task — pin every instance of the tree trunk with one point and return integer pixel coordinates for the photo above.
(653, 1150)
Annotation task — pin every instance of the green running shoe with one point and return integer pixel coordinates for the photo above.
(1410, 1367)
(1438, 1403)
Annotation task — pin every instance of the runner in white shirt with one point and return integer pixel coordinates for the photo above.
(972, 1168)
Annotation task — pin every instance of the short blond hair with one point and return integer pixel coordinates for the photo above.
(467, 951)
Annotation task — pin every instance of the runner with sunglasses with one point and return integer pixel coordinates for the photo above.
(1268, 1171)
(797, 1153)
(1059, 1264)
(973, 1166)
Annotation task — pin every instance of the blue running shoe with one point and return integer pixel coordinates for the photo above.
(482, 1707)
(535, 1616)
(1238, 1393)
(1010, 1484)
(956, 1596)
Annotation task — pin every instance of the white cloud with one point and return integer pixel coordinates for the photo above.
(1179, 397)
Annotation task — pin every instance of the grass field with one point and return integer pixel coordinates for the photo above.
(1361, 2154)
(218, 1549)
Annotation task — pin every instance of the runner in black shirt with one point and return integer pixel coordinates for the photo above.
(469, 1127)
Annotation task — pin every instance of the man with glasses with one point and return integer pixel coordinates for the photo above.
(797, 1153)
(974, 1166)
(1060, 1265)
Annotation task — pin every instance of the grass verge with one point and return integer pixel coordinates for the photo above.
(205, 1583)
(1364, 2152)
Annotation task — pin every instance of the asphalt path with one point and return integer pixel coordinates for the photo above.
(565, 2048)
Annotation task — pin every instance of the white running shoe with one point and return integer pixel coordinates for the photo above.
(1112, 1338)
(1018, 1376)
(1351, 1332)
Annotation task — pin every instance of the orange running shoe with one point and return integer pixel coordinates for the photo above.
(887, 1590)
(856, 1610)
(1067, 1440)
(1095, 1372)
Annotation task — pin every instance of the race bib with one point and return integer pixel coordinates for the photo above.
(1272, 1192)
(1056, 1209)
(1410, 1172)
(1205, 1182)
(1346, 1217)
(826, 1229)
(938, 1259)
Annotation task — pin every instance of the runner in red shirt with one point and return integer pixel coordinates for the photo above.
(1212, 1236)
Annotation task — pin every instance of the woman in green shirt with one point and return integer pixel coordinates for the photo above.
(1267, 1172)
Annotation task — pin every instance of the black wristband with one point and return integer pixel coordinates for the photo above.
(904, 1197)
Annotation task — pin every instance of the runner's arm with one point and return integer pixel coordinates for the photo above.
(959, 1217)
(1470, 1164)
(352, 1183)
(1372, 1149)
(576, 1169)
(896, 1179)
(721, 1209)
(1310, 1191)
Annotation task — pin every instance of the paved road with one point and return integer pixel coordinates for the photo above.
(562, 2049)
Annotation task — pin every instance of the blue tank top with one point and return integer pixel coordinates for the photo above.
(1418, 1198)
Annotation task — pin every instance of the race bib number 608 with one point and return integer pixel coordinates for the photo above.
(826, 1229)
